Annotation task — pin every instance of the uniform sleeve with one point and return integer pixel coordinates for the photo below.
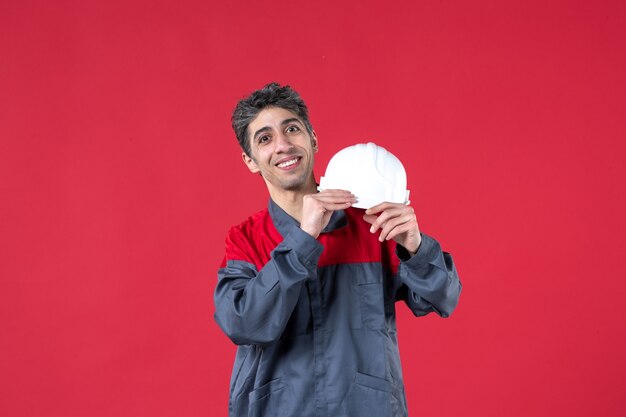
(253, 307)
(429, 279)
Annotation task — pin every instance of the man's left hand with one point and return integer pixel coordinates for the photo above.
(396, 221)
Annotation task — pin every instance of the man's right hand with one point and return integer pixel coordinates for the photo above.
(317, 209)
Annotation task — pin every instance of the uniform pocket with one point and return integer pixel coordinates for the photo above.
(372, 305)
(368, 396)
(398, 402)
(239, 404)
(271, 399)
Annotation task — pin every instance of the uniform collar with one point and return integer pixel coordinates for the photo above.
(284, 222)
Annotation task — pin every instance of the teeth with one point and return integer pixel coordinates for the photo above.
(288, 163)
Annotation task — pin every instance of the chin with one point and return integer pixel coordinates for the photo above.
(295, 183)
(293, 186)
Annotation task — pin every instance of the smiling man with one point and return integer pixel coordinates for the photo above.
(308, 286)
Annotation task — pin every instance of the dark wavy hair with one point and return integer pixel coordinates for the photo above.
(272, 95)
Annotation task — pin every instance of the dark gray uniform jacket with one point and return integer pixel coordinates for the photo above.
(315, 318)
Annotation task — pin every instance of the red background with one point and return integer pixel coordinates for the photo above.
(120, 176)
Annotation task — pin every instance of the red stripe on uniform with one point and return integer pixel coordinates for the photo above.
(254, 239)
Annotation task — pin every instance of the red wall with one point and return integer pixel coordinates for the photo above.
(119, 176)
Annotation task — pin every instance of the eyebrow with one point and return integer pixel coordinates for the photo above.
(283, 123)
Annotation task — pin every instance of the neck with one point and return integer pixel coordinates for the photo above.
(291, 201)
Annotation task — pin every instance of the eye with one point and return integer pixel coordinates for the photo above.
(293, 129)
(263, 139)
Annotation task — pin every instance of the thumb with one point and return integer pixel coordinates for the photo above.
(370, 218)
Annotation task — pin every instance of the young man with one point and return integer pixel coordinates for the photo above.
(307, 289)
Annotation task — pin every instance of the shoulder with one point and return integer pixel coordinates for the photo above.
(248, 229)
(250, 224)
(252, 239)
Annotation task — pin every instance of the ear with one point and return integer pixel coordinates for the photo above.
(249, 163)
(314, 141)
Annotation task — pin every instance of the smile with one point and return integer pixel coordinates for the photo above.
(289, 162)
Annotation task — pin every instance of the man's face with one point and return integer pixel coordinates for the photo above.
(282, 150)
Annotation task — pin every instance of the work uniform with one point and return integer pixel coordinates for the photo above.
(314, 319)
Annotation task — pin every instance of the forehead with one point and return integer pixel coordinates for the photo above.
(271, 117)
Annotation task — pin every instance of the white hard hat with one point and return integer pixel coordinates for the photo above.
(368, 171)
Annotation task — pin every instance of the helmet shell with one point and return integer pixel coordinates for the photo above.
(368, 171)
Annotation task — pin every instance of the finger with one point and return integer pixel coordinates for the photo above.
(334, 198)
(334, 193)
(391, 225)
(332, 190)
(396, 210)
(385, 216)
(382, 206)
(399, 230)
(314, 201)
(335, 206)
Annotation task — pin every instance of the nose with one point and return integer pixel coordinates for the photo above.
(283, 144)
